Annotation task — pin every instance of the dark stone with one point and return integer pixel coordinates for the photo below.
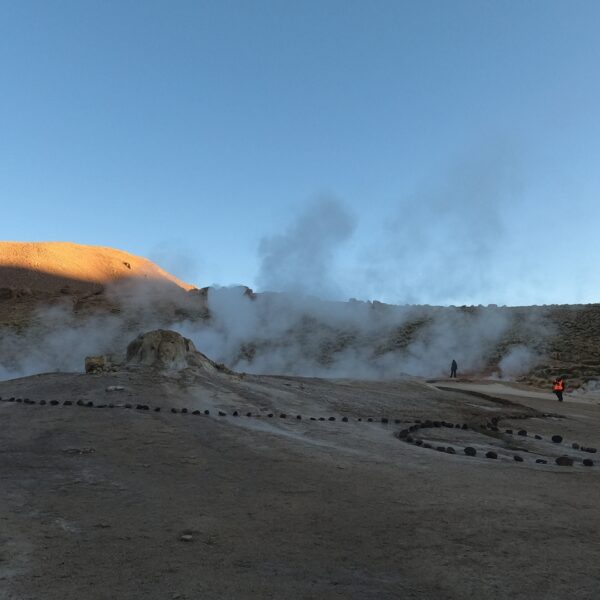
(20, 400)
(537, 437)
(522, 432)
(457, 426)
(419, 442)
(196, 412)
(413, 428)
(564, 461)
(332, 418)
(157, 409)
(450, 450)
(344, 419)
(53, 402)
(404, 433)
(437, 424)
(235, 413)
(249, 414)
(465, 426)
(575, 446)
(385, 420)
(184, 411)
(427, 446)
(65, 403)
(11, 399)
(313, 418)
(359, 419)
(104, 406)
(491, 454)
(173, 410)
(139, 406)
(449, 425)
(270, 415)
(557, 439)
(397, 421)
(369, 420)
(441, 448)
(207, 412)
(79, 402)
(126, 406)
(588, 462)
(90, 404)
(321, 418)
(541, 461)
(509, 431)
(42, 402)
(224, 414)
(518, 458)
(469, 451)
(28, 401)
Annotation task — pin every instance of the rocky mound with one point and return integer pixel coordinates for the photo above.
(53, 267)
(163, 349)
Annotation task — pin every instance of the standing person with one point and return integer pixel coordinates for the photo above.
(453, 368)
(558, 387)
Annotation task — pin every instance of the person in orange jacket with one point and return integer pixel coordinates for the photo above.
(558, 387)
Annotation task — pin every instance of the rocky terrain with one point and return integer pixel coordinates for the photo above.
(168, 477)
(137, 462)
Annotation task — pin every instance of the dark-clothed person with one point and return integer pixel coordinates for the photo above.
(453, 368)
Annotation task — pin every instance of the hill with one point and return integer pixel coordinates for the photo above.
(51, 267)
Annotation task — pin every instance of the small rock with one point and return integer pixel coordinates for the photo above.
(332, 418)
(223, 414)
(508, 431)
(384, 420)
(52, 402)
(588, 462)
(537, 437)
(235, 413)
(557, 439)
(344, 419)
(469, 451)
(450, 450)
(491, 454)
(207, 412)
(564, 461)
(522, 432)
(541, 461)
(518, 458)
(575, 446)
(65, 403)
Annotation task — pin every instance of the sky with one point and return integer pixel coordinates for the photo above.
(441, 152)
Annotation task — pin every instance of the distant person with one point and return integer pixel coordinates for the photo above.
(558, 387)
(453, 368)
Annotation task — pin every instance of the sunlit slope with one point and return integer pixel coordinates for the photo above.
(50, 266)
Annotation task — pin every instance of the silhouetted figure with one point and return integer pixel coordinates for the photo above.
(453, 368)
(558, 387)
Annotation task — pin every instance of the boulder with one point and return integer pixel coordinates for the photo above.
(98, 364)
(564, 461)
(557, 439)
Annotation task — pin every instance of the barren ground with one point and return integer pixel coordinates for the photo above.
(94, 501)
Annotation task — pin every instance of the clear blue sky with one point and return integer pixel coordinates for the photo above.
(458, 142)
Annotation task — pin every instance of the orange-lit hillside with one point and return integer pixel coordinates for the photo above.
(50, 266)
